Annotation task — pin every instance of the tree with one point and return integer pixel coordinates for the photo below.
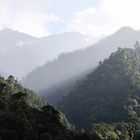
(11, 79)
(137, 47)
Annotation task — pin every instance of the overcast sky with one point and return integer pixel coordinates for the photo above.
(90, 17)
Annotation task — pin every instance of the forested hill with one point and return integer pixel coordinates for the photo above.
(109, 94)
(69, 65)
(11, 88)
(24, 116)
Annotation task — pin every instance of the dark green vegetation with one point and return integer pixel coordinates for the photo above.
(11, 86)
(24, 116)
(110, 94)
(106, 104)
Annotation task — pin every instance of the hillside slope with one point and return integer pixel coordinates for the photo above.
(109, 94)
(11, 87)
(18, 48)
(70, 65)
(25, 116)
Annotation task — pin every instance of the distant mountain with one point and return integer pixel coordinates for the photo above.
(110, 94)
(9, 37)
(12, 54)
(20, 53)
(68, 66)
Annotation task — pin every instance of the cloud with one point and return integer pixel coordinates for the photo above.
(53, 18)
(90, 21)
(29, 16)
(108, 17)
(39, 17)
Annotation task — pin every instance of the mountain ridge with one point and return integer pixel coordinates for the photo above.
(80, 61)
(16, 45)
(108, 94)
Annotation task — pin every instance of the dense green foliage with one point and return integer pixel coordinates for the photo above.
(102, 131)
(11, 86)
(106, 103)
(24, 116)
(110, 94)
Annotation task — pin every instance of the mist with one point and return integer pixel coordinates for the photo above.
(20, 53)
(70, 65)
(69, 70)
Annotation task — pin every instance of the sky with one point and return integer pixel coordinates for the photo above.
(89, 17)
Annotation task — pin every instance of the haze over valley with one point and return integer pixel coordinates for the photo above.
(69, 70)
(21, 52)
